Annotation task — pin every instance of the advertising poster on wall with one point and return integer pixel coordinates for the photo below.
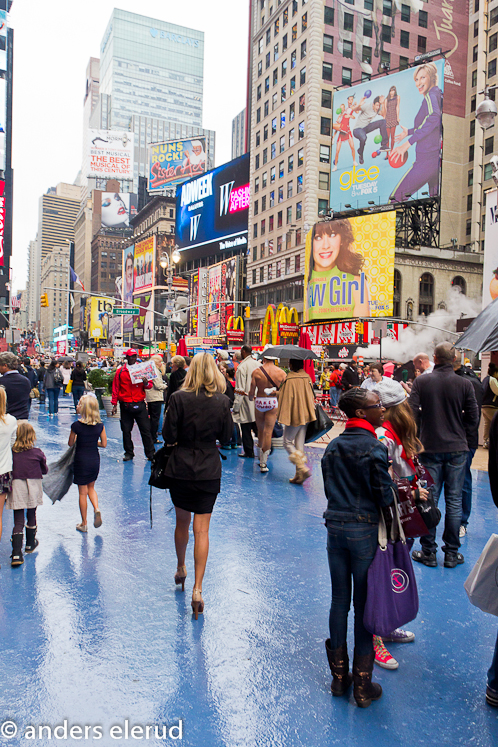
(214, 298)
(99, 313)
(490, 268)
(118, 208)
(165, 244)
(3, 40)
(143, 324)
(2, 221)
(228, 292)
(349, 268)
(143, 265)
(110, 154)
(193, 312)
(212, 211)
(174, 162)
(387, 136)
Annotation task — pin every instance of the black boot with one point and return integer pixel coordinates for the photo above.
(364, 689)
(16, 557)
(31, 541)
(339, 667)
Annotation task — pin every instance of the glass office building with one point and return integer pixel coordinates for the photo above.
(150, 68)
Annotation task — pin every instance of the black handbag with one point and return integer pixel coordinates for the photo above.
(319, 427)
(429, 512)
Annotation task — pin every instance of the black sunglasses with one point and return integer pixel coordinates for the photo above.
(379, 405)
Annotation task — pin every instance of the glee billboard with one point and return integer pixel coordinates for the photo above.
(387, 135)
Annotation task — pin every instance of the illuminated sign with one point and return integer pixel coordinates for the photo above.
(240, 198)
(2, 220)
(279, 321)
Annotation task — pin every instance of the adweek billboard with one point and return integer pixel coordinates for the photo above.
(387, 136)
(490, 267)
(349, 268)
(173, 162)
(110, 154)
(212, 210)
(117, 208)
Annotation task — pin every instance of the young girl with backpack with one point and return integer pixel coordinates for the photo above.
(399, 434)
(29, 466)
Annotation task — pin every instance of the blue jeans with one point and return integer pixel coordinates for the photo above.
(467, 489)
(78, 392)
(53, 399)
(41, 389)
(448, 469)
(334, 396)
(493, 671)
(351, 547)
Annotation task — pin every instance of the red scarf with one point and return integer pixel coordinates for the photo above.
(361, 423)
(387, 425)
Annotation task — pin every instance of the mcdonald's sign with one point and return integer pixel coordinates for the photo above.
(235, 329)
(279, 322)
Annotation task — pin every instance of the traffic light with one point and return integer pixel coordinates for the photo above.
(247, 312)
(172, 348)
(44, 300)
(359, 328)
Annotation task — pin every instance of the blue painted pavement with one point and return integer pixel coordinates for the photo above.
(94, 631)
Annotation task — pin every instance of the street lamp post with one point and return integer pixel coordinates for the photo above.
(168, 262)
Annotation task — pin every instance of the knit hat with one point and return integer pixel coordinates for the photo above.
(390, 392)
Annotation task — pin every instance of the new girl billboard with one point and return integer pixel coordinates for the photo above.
(387, 136)
(349, 268)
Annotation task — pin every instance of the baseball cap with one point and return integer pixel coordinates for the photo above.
(130, 352)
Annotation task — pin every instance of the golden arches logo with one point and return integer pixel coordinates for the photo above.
(235, 323)
(273, 317)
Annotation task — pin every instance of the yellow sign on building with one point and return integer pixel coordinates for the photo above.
(98, 312)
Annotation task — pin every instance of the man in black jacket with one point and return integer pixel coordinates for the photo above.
(445, 408)
(16, 386)
(350, 377)
(467, 373)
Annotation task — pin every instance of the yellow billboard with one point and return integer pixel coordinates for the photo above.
(98, 313)
(349, 268)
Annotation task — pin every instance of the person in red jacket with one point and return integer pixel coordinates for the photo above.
(131, 398)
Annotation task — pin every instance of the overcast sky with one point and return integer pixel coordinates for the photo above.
(53, 42)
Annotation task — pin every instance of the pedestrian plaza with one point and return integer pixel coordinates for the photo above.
(95, 633)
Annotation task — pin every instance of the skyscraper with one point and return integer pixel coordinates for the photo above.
(150, 68)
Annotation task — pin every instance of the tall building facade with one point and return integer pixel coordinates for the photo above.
(54, 275)
(301, 50)
(151, 68)
(6, 173)
(239, 134)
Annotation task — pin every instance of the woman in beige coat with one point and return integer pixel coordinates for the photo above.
(296, 408)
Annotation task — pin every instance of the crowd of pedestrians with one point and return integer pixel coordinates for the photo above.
(423, 417)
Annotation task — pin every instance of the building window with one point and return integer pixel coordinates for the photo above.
(283, 94)
(403, 63)
(348, 22)
(271, 220)
(387, 9)
(324, 153)
(264, 180)
(493, 17)
(328, 43)
(327, 99)
(291, 137)
(468, 226)
(328, 16)
(302, 76)
(301, 130)
(493, 44)
(488, 171)
(255, 231)
(273, 125)
(488, 145)
(266, 108)
(300, 180)
(426, 294)
(294, 32)
(491, 68)
(297, 265)
(325, 125)
(261, 274)
(323, 180)
(459, 282)
(469, 202)
(300, 157)
(474, 78)
(367, 28)
(422, 44)
(385, 59)
(258, 115)
(284, 42)
(275, 77)
(272, 174)
(283, 71)
(347, 49)
(256, 184)
(397, 294)
(302, 103)
(366, 55)
(265, 156)
(263, 227)
(473, 103)
(471, 152)
(273, 150)
(347, 75)
(281, 170)
(476, 29)
(256, 162)
(290, 163)
(474, 54)
(303, 49)
(404, 39)
(260, 68)
(254, 276)
(258, 92)
(405, 13)
(327, 71)
(289, 190)
(323, 207)
(267, 84)
(422, 19)
(279, 223)
(386, 33)
(472, 128)
(470, 178)
(258, 138)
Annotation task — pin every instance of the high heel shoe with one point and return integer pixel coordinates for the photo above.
(197, 603)
(181, 575)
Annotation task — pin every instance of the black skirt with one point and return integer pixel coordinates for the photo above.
(196, 496)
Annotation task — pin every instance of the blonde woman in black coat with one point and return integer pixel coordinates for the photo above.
(198, 415)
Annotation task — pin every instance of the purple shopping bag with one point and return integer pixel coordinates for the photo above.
(392, 597)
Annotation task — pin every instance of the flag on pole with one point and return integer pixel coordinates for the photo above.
(75, 278)
(16, 301)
